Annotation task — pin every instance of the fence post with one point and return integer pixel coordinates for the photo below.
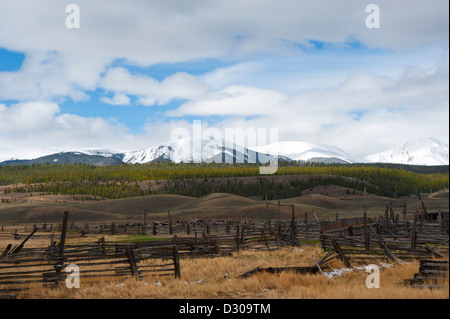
(277, 239)
(413, 238)
(293, 225)
(133, 264)
(404, 210)
(144, 227)
(170, 223)
(102, 242)
(366, 233)
(52, 277)
(386, 214)
(62, 241)
(237, 241)
(176, 262)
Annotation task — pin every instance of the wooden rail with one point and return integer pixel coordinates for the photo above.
(430, 273)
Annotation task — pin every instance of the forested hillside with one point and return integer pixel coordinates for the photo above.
(120, 181)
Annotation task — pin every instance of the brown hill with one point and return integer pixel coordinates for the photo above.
(55, 213)
(322, 201)
(138, 205)
(222, 199)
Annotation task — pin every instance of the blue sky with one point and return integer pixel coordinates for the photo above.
(132, 73)
(10, 61)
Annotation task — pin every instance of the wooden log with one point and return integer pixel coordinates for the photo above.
(19, 248)
(63, 234)
(317, 265)
(293, 224)
(133, 264)
(176, 262)
(5, 252)
(341, 254)
(390, 255)
(413, 237)
(238, 243)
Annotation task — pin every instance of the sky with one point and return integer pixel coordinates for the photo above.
(131, 72)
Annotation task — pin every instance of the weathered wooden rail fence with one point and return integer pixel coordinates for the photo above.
(387, 236)
(93, 261)
(430, 273)
(293, 231)
(101, 259)
(392, 239)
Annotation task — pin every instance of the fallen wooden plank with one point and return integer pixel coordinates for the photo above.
(342, 256)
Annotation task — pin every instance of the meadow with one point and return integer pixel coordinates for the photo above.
(219, 278)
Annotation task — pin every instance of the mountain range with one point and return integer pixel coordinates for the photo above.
(424, 151)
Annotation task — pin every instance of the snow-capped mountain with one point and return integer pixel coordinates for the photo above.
(423, 151)
(99, 152)
(306, 151)
(426, 151)
(197, 151)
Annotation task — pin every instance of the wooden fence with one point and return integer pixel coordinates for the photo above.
(430, 273)
(93, 261)
(394, 241)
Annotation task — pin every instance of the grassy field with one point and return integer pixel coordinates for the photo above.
(218, 278)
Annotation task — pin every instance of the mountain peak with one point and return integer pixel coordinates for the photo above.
(421, 151)
(305, 151)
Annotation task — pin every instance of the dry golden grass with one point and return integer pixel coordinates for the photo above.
(219, 278)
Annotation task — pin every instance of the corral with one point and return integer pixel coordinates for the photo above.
(156, 247)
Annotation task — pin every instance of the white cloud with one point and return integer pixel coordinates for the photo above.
(150, 91)
(161, 31)
(363, 113)
(233, 100)
(118, 99)
(355, 102)
(51, 75)
(39, 128)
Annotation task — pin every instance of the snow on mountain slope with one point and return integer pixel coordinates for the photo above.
(197, 151)
(99, 152)
(181, 150)
(423, 151)
(304, 151)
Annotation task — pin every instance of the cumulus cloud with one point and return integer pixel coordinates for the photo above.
(117, 99)
(161, 31)
(232, 100)
(32, 129)
(293, 66)
(148, 90)
(356, 115)
(46, 75)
